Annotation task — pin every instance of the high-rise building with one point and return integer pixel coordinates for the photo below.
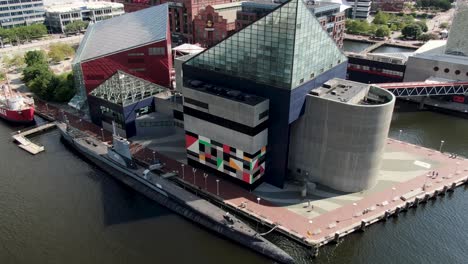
(329, 15)
(242, 95)
(21, 12)
(60, 15)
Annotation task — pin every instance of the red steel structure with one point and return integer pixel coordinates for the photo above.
(136, 61)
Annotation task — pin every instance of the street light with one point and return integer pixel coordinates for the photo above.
(354, 209)
(393, 193)
(102, 133)
(399, 135)
(441, 145)
(258, 200)
(154, 156)
(456, 169)
(205, 175)
(183, 171)
(217, 187)
(194, 176)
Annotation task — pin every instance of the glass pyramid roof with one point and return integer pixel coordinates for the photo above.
(284, 49)
(124, 89)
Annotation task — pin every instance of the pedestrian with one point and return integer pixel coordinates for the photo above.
(437, 174)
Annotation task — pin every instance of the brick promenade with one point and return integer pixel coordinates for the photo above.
(324, 226)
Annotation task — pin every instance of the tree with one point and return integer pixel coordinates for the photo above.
(381, 18)
(65, 90)
(32, 72)
(44, 84)
(76, 26)
(382, 31)
(412, 31)
(427, 36)
(422, 24)
(35, 57)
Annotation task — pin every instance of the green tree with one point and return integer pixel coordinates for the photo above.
(412, 31)
(65, 90)
(381, 18)
(76, 26)
(35, 57)
(44, 85)
(422, 24)
(382, 31)
(32, 72)
(427, 36)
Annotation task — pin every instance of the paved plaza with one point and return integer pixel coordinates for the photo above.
(397, 167)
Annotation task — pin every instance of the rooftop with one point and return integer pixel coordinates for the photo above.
(79, 6)
(124, 32)
(349, 92)
(224, 92)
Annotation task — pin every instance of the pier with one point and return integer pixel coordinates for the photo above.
(26, 144)
(411, 175)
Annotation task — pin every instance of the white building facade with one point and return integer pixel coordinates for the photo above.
(21, 12)
(60, 15)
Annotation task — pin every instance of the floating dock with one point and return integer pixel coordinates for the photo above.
(26, 144)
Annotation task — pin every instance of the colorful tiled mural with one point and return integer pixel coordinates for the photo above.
(231, 161)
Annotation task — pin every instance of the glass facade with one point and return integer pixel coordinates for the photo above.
(283, 49)
(125, 89)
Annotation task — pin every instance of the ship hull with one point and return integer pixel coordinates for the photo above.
(17, 116)
(175, 199)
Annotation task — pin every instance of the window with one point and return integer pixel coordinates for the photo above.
(136, 60)
(195, 102)
(136, 54)
(457, 72)
(263, 115)
(156, 51)
(446, 70)
(436, 68)
(138, 69)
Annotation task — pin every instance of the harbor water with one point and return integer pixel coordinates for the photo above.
(57, 208)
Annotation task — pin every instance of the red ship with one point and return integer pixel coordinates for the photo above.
(15, 107)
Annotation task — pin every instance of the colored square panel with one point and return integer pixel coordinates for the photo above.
(189, 140)
(226, 149)
(246, 177)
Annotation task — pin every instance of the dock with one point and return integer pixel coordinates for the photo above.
(26, 144)
(412, 176)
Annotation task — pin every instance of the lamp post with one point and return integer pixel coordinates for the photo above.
(47, 108)
(258, 200)
(183, 171)
(399, 135)
(154, 156)
(441, 145)
(194, 176)
(456, 168)
(217, 187)
(354, 209)
(393, 193)
(205, 175)
(102, 134)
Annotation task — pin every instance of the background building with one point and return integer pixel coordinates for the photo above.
(359, 9)
(389, 5)
(60, 15)
(339, 140)
(137, 43)
(329, 15)
(20, 13)
(214, 23)
(274, 59)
